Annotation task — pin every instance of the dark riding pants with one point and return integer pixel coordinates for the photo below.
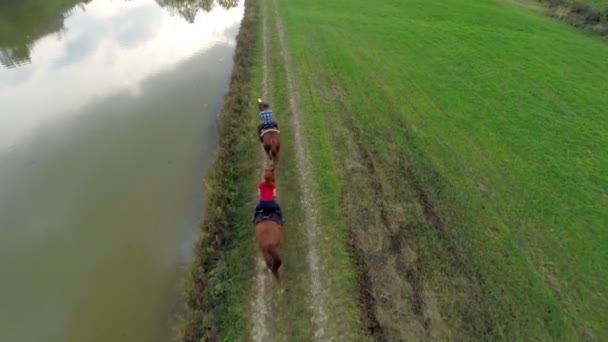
(268, 207)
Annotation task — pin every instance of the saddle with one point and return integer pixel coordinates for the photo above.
(262, 215)
(269, 129)
(263, 129)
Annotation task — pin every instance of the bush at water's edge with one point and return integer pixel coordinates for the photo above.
(204, 297)
(579, 14)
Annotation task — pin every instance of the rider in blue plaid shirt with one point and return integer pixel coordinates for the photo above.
(266, 117)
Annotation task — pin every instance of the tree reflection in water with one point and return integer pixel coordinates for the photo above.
(188, 8)
(24, 22)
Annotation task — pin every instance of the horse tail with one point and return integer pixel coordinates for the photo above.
(273, 261)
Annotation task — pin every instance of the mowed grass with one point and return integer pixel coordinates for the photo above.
(292, 312)
(494, 120)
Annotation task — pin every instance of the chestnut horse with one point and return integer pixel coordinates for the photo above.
(270, 139)
(268, 234)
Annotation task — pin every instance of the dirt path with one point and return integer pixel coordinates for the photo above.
(262, 311)
(317, 292)
(259, 314)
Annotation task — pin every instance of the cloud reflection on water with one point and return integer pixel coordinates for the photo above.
(24, 22)
(108, 47)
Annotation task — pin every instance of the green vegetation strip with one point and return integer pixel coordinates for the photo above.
(221, 287)
(462, 148)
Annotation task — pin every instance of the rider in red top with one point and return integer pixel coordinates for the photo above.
(267, 192)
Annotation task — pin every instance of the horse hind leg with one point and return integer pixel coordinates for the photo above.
(275, 153)
(273, 262)
(268, 150)
(274, 159)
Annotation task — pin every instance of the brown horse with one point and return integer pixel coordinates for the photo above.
(269, 238)
(270, 139)
(268, 235)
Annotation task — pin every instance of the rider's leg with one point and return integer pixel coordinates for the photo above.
(277, 210)
(280, 214)
(265, 206)
(260, 126)
(260, 206)
(270, 205)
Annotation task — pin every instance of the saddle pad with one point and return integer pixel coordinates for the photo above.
(269, 130)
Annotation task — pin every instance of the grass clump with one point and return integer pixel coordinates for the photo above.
(587, 16)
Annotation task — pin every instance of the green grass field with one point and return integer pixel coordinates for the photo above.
(459, 172)
(464, 145)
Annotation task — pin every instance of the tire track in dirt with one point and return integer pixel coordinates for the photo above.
(259, 306)
(303, 165)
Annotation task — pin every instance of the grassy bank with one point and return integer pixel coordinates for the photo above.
(222, 270)
(289, 313)
(222, 288)
(461, 144)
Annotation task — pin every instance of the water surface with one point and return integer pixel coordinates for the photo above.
(107, 114)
